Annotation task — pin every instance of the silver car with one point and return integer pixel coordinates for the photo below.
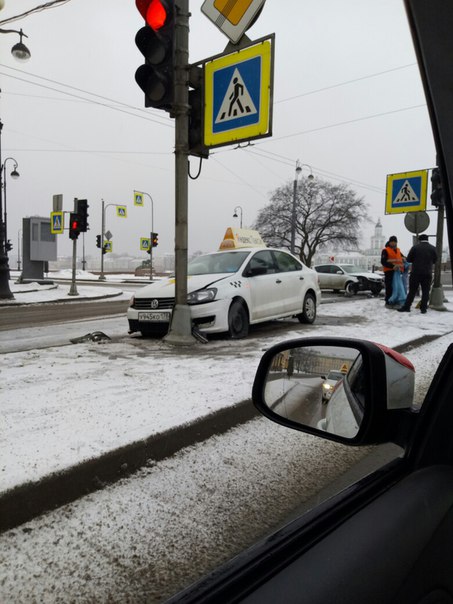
(349, 277)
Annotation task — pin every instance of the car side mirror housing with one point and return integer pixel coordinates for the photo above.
(347, 390)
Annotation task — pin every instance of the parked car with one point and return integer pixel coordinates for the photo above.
(348, 277)
(230, 290)
(332, 277)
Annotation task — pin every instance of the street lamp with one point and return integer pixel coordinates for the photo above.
(5, 292)
(19, 50)
(15, 175)
(299, 167)
(235, 215)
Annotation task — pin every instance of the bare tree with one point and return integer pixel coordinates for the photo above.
(325, 213)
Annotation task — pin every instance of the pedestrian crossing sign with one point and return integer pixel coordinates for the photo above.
(56, 223)
(145, 243)
(238, 95)
(108, 246)
(406, 192)
(121, 211)
(138, 198)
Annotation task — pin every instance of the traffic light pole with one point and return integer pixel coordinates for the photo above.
(437, 297)
(180, 332)
(73, 289)
(102, 276)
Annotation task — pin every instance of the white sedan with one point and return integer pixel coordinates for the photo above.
(229, 290)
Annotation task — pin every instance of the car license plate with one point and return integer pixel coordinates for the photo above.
(154, 316)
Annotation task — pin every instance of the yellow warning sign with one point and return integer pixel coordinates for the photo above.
(344, 368)
(232, 17)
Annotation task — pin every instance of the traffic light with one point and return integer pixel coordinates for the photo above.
(74, 226)
(148, 251)
(437, 194)
(196, 112)
(156, 42)
(8, 246)
(82, 212)
(104, 250)
(155, 239)
(98, 241)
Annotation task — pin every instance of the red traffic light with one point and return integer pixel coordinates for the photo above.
(154, 12)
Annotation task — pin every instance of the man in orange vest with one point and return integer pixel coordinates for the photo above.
(391, 260)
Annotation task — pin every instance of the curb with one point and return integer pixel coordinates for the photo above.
(29, 500)
(63, 300)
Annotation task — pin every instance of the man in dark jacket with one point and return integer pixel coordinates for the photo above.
(423, 256)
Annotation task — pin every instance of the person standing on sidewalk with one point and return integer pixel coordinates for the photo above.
(423, 256)
(391, 260)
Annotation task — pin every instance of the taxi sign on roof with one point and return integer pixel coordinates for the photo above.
(237, 238)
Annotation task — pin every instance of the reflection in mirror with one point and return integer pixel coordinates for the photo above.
(318, 386)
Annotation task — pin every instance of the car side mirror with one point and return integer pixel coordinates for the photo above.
(351, 391)
(340, 273)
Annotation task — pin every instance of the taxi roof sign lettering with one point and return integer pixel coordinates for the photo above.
(238, 238)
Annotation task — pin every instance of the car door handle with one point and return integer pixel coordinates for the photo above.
(301, 278)
(278, 281)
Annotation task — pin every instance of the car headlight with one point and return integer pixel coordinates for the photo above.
(202, 295)
(327, 387)
(132, 302)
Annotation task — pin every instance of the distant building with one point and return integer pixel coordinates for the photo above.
(368, 259)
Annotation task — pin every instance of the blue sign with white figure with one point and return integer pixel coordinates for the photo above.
(237, 95)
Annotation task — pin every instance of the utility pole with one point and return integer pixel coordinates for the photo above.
(180, 332)
(436, 300)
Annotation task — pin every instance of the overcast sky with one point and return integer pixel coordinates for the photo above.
(348, 102)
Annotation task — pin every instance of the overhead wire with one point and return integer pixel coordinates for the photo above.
(40, 8)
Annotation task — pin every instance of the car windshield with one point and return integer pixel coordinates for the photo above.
(335, 375)
(222, 262)
(349, 268)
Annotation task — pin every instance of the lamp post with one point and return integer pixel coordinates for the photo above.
(298, 172)
(151, 234)
(104, 208)
(5, 292)
(19, 51)
(235, 215)
(14, 174)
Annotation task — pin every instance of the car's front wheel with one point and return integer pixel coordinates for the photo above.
(308, 314)
(238, 320)
(351, 288)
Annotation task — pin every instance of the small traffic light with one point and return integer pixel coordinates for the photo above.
(155, 239)
(82, 213)
(8, 246)
(74, 226)
(148, 251)
(156, 41)
(196, 111)
(98, 241)
(437, 194)
(104, 249)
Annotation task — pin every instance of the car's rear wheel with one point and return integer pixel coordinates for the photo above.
(351, 288)
(308, 314)
(238, 320)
